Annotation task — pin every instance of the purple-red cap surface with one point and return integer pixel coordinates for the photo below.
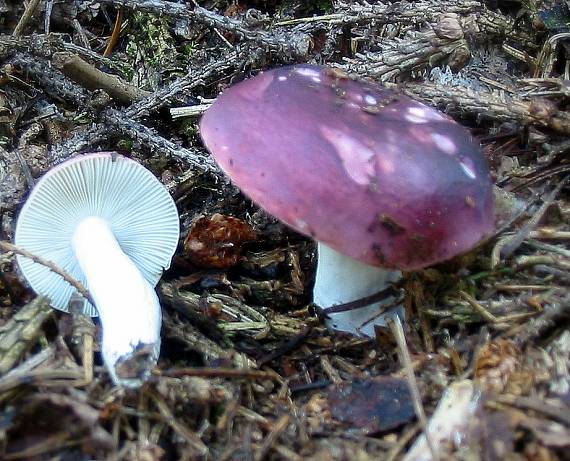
(367, 171)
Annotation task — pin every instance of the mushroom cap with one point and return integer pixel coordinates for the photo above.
(139, 210)
(368, 171)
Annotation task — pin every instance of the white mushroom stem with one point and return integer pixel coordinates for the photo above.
(341, 279)
(127, 304)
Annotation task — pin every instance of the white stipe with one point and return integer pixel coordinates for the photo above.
(341, 279)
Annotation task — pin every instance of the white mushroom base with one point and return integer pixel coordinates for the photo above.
(127, 304)
(341, 279)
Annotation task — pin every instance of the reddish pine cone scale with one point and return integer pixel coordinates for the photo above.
(368, 171)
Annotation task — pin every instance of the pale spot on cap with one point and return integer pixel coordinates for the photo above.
(301, 224)
(369, 99)
(385, 164)
(420, 133)
(416, 115)
(420, 113)
(444, 143)
(313, 74)
(354, 155)
(468, 168)
(255, 92)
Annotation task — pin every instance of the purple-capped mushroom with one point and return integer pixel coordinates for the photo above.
(108, 222)
(383, 182)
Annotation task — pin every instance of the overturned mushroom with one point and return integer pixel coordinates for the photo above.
(110, 223)
(384, 183)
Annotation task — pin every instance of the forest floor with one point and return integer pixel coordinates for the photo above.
(247, 370)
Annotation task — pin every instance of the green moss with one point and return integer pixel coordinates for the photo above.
(316, 7)
(125, 144)
(151, 48)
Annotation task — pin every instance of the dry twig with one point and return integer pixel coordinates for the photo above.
(26, 17)
(7, 246)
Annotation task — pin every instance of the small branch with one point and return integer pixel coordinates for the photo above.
(83, 334)
(494, 24)
(513, 243)
(497, 323)
(25, 19)
(388, 13)
(193, 79)
(124, 120)
(389, 292)
(396, 327)
(19, 333)
(296, 44)
(80, 141)
(184, 432)
(88, 76)
(7, 246)
(287, 346)
(279, 427)
(189, 111)
(198, 159)
(553, 316)
(54, 83)
(534, 404)
(484, 313)
(39, 376)
(28, 135)
(115, 35)
(491, 105)
(444, 42)
(234, 373)
(45, 46)
(455, 411)
(47, 16)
